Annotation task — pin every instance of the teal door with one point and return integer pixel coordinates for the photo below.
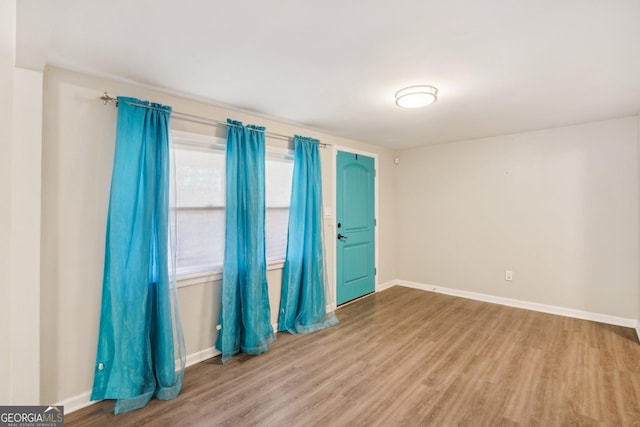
(355, 226)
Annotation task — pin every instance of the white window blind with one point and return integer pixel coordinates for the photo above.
(199, 180)
(278, 174)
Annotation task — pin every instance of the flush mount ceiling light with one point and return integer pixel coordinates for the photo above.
(416, 96)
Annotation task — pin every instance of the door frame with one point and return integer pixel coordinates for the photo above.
(334, 176)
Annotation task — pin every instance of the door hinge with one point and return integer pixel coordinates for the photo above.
(375, 271)
(375, 222)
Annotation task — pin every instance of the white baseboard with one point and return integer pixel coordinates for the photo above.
(82, 400)
(205, 354)
(75, 403)
(385, 285)
(638, 330)
(551, 309)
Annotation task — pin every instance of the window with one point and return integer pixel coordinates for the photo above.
(199, 179)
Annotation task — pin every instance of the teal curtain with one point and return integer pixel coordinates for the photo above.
(302, 304)
(140, 344)
(245, 316)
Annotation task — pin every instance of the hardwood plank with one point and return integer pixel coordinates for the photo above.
(409, 357)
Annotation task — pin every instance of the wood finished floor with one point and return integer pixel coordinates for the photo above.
(405, 357)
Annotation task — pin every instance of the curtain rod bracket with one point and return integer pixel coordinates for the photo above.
(107, 99)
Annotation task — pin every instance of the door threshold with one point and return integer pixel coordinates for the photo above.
(344, 304)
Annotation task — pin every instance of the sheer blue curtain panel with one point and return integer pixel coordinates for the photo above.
(140, 344)
(303, 302)
(245, 315)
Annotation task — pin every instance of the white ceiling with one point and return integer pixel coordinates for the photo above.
(501, 66)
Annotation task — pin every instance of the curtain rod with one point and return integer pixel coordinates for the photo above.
(106, 99)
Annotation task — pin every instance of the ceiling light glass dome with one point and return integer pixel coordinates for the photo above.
(416, 96)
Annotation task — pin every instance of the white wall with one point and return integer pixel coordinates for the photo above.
(21, 139)
(7, 59)
(559, 207)
(24, 259)
(77, 158)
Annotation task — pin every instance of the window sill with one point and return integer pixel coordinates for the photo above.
(198, 278)
(216, 276)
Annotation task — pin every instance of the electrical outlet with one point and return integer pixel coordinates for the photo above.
(508, 275)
